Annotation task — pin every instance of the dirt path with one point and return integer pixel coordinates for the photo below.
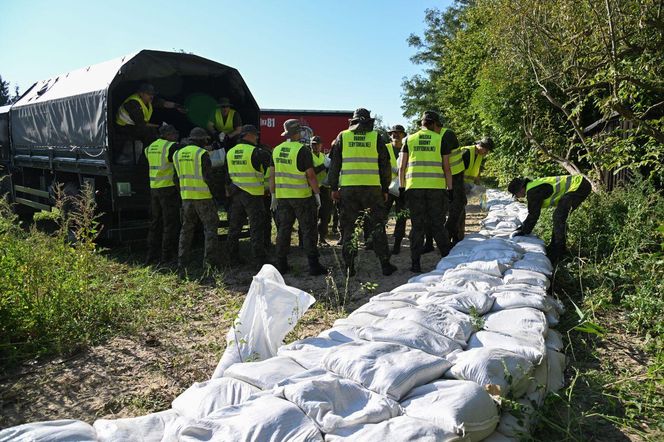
(135, 375)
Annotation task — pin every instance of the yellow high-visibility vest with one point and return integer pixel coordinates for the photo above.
(289, 181)
(425, 163)
(393, 160)
(242, 172)
(456, 162)
(473, 170)
(225, 126)
(123, 118)
(359, 163)
(161, 170)
(189, 167)
(319, 159)
(561, 185)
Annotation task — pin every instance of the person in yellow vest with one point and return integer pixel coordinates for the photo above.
(226, 121)
(465, 163)
(194, 169)
(359, 177)
(295, 195)
(134, 114)
(246, 171)
(321, 165)
(425, 176)
(164, 197)
(565, 193)
(397, 134)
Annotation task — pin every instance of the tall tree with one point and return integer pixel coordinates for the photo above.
(4, 92)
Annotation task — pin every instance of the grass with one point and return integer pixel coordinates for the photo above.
(613, 288)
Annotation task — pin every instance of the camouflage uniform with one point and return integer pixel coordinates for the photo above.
(399, 204)
(206, 211)
(427, 211)
(324, 212)
(456, 220)
(244, 205)
(354, 201)
(304, 210)
(164, 224)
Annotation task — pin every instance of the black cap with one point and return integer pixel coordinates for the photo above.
(167, 129)
(397, 128)
(198, 133)
(146, 88)
(223, 101)
(432, 116)
(315, 139)
(248, 129)
(515, 185)
(486, 143)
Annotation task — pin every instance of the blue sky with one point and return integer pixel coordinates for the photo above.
(293, 54)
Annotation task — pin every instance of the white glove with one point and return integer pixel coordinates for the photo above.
(222, 136)
(273, 204)
(317, 196)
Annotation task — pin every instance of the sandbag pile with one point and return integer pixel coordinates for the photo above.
(429, 360)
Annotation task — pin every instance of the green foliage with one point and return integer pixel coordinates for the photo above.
(57, 297)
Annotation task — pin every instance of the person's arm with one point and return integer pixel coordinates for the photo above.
(273, 183)
(237, 125)
(206, 168)
(384, 165)
(313, 182)
(449, 142)
(404, 164)
(171, 151)
(535, 197)
(260, 159)
(335, 164)
(160, 102)
(136, 114)
(305, 163)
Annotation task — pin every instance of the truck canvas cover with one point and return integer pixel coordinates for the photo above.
(73, 111)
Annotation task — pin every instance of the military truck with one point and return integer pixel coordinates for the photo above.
(62, 131)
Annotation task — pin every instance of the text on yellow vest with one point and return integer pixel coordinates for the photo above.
(359, 162)
(189, 167)
(561, 185)
(425, 163)
(242, 172)
(290, 182)
(161, 170)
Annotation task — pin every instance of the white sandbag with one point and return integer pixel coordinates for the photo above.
(410, 287)
(388, 369)
(333, 402)
(465, 302)
(463, 280)
(460, 407)
(264, 374)
(410, 297)
(438, 318)
(517, 423)
(308, 352)
(490, 267)
(519, 276)
(556, 362)
(554, 340)
(264, 419)
(381, 307)
(492, 366)
(531, 244)
(410, 334)
(503, 256)
(430, 277)
(512, 300)
(359, 319)
(536, 262)
(517, 321)
(203, 398)
(523, 288)
(270, 310)
(530, 346)
(342, 334)
(308, 375)
(148, 428)
(403, 428)
(450, 262)
(65, 430)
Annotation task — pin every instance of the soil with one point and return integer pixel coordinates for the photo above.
(134, 375)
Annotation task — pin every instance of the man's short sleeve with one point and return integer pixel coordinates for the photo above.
(305, 160)
(449, 143)
(404, 148)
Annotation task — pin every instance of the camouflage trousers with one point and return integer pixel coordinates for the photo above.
(368, 205)
(325, 211)
(399, 203)
(427, 213)
(304, 210)
(456, 220)
(567, 203)
(205, 211)
(164, 224)
(243, 206)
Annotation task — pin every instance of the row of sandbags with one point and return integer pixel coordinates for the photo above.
(429, 360)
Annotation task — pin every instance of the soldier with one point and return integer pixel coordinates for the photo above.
(164, 197)
(193, 167)
(359, 178)
(295, 195)
(325, 210)
(465, 165)
(226, 121)
(397, 134)
(425, 174)
(565, 193)
(246, 171)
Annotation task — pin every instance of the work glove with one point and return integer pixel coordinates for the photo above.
(273, 203)
(317, 196)
(450, 195)
(222, 136)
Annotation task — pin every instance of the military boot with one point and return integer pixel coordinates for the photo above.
(315, 268)
(388, 268)
(415, 266)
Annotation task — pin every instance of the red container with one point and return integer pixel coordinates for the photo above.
(325, 124)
